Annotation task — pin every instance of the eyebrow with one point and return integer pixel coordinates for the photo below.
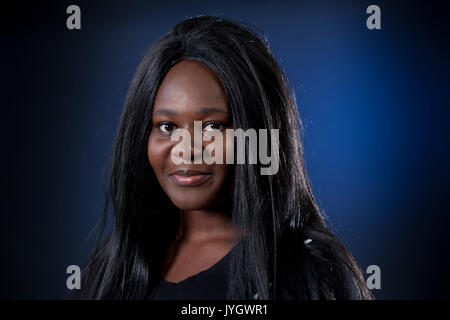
(166, 111)
(201, 110)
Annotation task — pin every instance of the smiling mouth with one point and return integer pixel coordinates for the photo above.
(189, 178)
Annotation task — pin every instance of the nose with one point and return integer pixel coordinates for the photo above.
(190, 148)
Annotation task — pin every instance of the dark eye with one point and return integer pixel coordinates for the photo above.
(214, 125)
(166, 127)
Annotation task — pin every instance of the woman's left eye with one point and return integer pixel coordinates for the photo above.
(214, 126)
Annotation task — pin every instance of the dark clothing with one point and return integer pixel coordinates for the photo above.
(210, 284)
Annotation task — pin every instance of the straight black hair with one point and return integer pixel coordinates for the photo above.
(277, 213)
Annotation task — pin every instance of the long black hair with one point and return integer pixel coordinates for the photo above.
(287, 251)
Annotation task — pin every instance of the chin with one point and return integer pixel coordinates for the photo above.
(189, 203)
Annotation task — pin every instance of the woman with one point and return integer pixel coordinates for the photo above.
(213, 231)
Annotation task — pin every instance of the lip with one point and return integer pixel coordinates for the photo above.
(189, 177)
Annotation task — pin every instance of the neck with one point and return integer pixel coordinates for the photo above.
(199, 225)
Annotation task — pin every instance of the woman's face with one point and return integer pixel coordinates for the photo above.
(190, 92)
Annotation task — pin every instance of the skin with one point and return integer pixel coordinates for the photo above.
(191, 91)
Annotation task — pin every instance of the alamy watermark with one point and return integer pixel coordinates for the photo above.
(213, 152)
(74, 280)
(73, 21)
(374, 20)
(372, 282)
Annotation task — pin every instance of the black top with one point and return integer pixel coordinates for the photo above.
(210, 284)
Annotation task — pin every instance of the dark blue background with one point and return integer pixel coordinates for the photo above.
(374, 104)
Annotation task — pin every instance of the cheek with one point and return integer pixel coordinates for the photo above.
(224, 146)
(224, 186)
(229, 151)
(222, 174)
(157, 151)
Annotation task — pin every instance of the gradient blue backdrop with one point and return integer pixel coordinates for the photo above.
(374, 105)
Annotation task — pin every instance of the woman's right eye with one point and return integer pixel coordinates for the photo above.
(166, 127)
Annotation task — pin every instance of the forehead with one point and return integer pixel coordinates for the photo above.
(190, 85)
